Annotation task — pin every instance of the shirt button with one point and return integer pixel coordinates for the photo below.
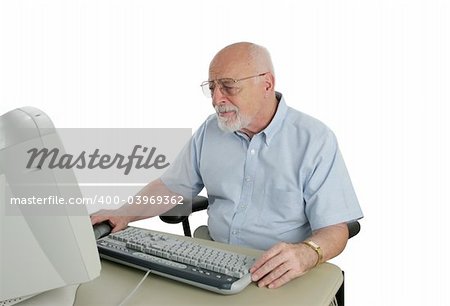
(252, 151)
(248, 179)
(235, 232)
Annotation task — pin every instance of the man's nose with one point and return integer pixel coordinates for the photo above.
(217, 96)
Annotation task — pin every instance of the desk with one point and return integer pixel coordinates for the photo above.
(317, 287)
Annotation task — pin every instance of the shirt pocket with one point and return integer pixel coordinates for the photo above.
(283, 209)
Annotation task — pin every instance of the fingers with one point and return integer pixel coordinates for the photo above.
(99, 217)
(117, 223)
(275, 275)
(267, 262)
(277, 266)
(283, 279)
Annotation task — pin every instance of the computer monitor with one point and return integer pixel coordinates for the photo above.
(42, 247)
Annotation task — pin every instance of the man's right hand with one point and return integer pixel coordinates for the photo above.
(116, 221)
(119, 218)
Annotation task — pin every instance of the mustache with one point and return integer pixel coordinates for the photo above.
(225, 108)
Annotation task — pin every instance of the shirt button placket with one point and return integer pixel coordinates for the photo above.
(247, 189)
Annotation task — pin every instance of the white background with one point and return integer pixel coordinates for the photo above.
(376, 72)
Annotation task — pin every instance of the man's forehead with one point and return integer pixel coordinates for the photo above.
(221, 72)
(228, 68)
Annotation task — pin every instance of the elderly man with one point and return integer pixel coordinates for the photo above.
(275, 177)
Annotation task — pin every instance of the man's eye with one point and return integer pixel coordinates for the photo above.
(231, 90)
(228, 85)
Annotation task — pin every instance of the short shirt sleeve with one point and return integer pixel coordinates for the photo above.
(183, 175)
(328, 192)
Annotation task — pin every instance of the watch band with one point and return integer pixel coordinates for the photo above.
(317, 249)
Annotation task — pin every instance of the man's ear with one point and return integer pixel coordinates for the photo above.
(269, 82)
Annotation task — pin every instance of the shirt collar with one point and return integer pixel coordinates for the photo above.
(274, 124)
(277, 119)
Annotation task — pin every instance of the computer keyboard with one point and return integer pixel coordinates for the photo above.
(183, 260)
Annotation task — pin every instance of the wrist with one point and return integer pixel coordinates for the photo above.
(316, 248)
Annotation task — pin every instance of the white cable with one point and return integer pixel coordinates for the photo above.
(125, 300)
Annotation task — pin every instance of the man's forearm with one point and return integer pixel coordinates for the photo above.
(139, 209)
(331, 240)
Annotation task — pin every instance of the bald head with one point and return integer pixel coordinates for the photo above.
(240, 59)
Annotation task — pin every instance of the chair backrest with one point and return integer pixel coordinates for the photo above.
(353, 228)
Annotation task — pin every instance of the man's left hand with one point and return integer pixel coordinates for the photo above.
(282, 263)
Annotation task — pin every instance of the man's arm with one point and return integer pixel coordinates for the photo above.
(284, 262)
(119, 218)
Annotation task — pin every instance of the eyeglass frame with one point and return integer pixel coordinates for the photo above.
(216, 81)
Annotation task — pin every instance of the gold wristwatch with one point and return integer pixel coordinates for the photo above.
(316, 249)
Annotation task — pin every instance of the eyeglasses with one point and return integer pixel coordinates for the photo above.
(227, 86)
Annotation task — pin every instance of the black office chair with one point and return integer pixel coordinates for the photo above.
(179, 214)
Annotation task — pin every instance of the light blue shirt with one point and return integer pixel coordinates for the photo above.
(280, 185)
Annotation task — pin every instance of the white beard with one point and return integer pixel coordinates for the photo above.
(231, 124)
